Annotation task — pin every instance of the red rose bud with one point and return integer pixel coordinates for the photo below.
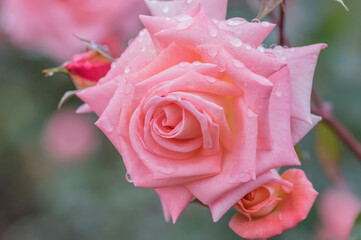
(86, 69)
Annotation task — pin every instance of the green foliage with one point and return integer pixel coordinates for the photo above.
(356, 230)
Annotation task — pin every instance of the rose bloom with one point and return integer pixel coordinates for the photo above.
(274, 207)
(47, 26)
(69, 137)
(197, 109)
(338, 209)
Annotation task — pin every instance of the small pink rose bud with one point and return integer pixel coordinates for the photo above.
(274, 207)
(86, 69)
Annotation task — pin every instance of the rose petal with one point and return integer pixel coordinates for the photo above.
(293, 209)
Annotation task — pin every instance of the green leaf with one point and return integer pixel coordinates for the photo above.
(101, 49)
(268, 6)
(328, 148)
(66, 97)
(356, 230)
(343, 4)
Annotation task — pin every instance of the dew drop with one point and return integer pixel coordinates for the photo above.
(106, 124)
(191, 84)
(130, 41)
(128, 178)
(235, 41)
(185, 24)
(212, 31)
(189, 1)
(166, 9)
(248, 47)
(183, 64)
(234, 22)
(196, 63)
(255, 20)
(280, 216)
(144, 48)
(278, 92)
(127, 69)
(166, 170)
(261, 49)
(213, 52)
(238, 64)
(210, 79)
(114, 64)
(265, 24)
(276, 65)
(273, 46)
(250, 113)
(183, 18)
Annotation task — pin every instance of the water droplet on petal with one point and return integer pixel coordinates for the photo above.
(189, 1)
(210, 79)
(235, 41)
(265, 24)
(250, 113)
(183, 64)
(273, 46)
(166, 169)
(128, 178)
(196, 63)
(278, 92)
(127, 69)
(106, 124)
(183, 18)
(144, 48)
(261, 49)
(213, 52)
(255, 20)
(212, 31)
(191, 84)
(166, 9)
(248, 47)
(276, 65)
(238, 64)
(130, 41)
(185, 24)
(234, 22)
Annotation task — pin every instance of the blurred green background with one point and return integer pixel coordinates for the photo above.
(42, 198)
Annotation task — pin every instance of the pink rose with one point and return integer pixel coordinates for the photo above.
(69, 137)
(197, 110)
(338, 209)
(274, 207)
(86, 69)
(47, 26)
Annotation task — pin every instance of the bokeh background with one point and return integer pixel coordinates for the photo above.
(84, 195)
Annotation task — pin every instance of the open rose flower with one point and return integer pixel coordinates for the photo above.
(196, 109)
(274, 207)
(47, 26)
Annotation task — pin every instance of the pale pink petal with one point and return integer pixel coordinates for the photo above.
(175, 198)
(214, 8)
(221, 205)
(98, 97)
(248, 32)
(237, 166)
(302, 63)
(301, 128)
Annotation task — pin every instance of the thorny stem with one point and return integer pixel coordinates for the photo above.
(322, 108)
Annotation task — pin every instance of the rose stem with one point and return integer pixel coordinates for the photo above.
(321, 108)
